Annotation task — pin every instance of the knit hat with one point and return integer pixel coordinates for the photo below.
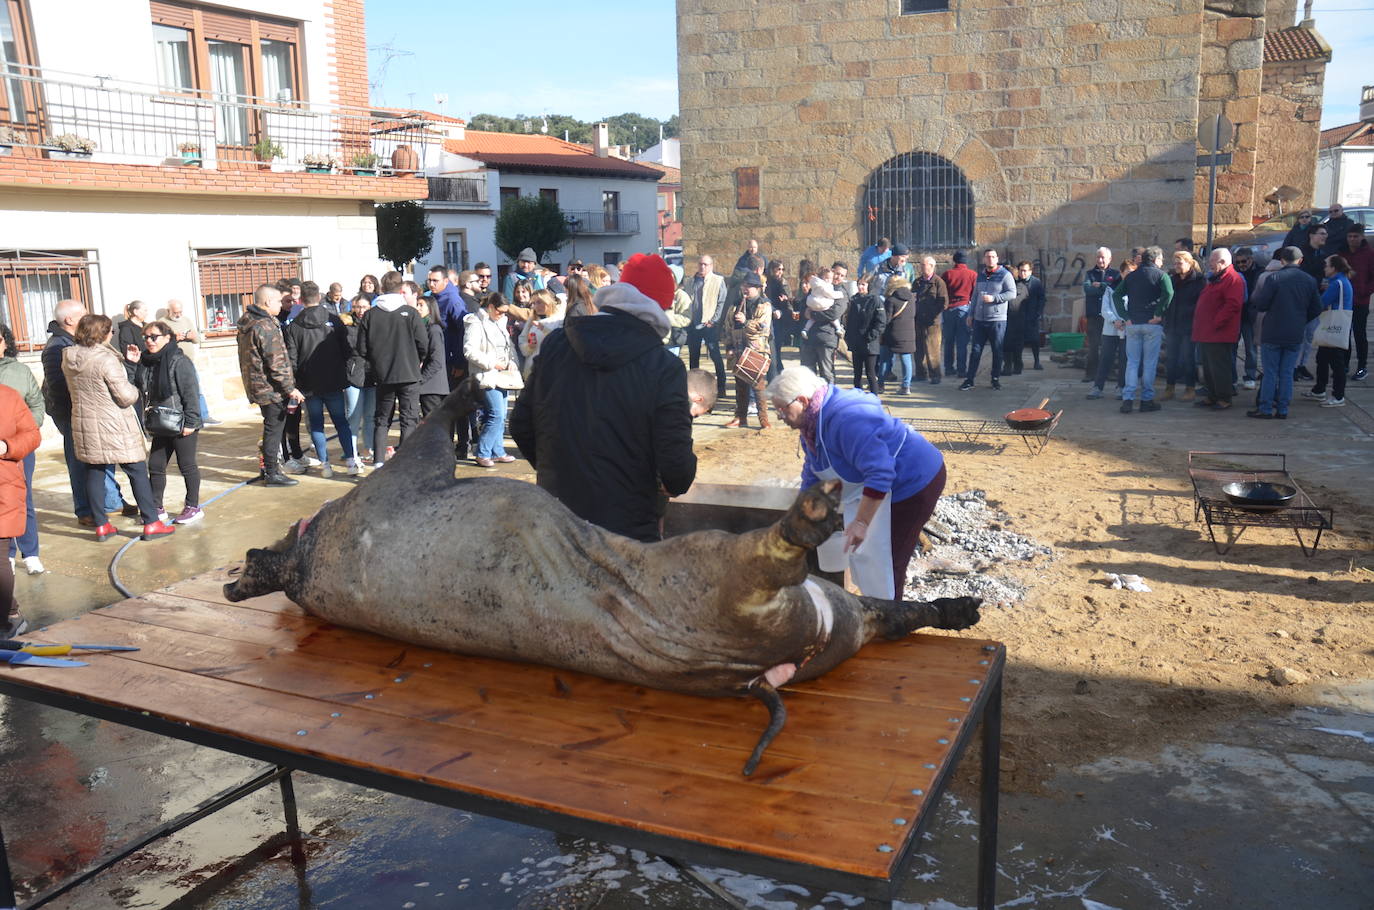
(752, 280)
(900, 250)
(527, 255)
(651, 276)
(645, 290)
(960, 256)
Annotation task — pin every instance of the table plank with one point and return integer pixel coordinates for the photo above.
(862, 746)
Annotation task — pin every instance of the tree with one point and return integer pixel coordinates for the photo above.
(404, 233)
(671, 129)
(635, 130)
(531, 221)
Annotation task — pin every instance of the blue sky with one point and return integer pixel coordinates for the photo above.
(597, 58)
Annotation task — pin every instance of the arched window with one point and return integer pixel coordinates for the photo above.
(921, 200)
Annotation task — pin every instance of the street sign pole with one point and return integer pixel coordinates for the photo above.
(1212, 191)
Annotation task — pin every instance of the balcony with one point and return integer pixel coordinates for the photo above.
(603, 223)
(126, 123)
(459, 191)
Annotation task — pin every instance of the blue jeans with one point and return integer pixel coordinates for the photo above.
(1248, 340)
(1276, 387)
(76, 475)
(27, 543)
(884, 363)
(360, 405)
(954, 326)
(990, 334)
(1179, 363)
(905, 361)
(314, 408)
(1142, 359)
(493, 411)
(1309, 335)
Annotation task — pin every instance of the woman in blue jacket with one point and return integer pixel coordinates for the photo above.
(892, 476)
(1339, 295)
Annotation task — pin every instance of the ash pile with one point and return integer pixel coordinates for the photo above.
(968, 541)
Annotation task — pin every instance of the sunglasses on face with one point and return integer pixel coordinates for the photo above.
(153, 336)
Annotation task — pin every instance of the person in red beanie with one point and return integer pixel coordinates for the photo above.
(605, 418)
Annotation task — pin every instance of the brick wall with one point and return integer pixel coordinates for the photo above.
(347, 49)
(17, 170)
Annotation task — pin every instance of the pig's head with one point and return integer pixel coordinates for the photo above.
(266, 569)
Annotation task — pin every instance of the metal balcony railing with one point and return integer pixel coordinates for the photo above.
(465, 189)
(602, 222)
(134, 123)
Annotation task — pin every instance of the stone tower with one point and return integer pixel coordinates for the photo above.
(1044, 129)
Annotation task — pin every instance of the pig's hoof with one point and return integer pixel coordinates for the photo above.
(957, 612)
(814, 516)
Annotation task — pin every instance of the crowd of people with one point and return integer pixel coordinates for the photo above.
(604, 405)
(1238, 324)
(896, 320)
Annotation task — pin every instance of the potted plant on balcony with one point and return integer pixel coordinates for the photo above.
(9, 136)
(190, 153)
(319, 163)
(364, 164)
(267, 151)
(69, 145)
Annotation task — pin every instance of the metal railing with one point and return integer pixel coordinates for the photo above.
(466, 189)
(133, 123)
(595, 222)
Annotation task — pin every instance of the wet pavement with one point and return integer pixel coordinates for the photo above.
(1262, 812)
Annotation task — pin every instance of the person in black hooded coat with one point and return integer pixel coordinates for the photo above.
(167, 378)
(317, 343)
(605, 419)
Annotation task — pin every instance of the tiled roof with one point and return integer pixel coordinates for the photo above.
(543, 153)
(1296, 43)
(671, 175)
(427, 115)
(1361, 133)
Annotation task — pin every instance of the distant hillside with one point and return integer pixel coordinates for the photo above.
(634, 130)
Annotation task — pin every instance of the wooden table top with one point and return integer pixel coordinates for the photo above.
(847, 778)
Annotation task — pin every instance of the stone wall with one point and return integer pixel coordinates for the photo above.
(1290, 129)
(1074, 123)
(1232, 58)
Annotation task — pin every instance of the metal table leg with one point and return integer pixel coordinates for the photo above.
(987, 814)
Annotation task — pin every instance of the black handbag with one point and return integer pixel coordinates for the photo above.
(162, 421)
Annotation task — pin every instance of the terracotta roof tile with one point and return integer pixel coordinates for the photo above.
(670, 174)
(542, 153)
(1350, 134)
(1296, 43)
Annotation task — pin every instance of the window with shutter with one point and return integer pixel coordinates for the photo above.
(746, 187)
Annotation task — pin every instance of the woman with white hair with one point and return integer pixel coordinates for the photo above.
(892, 476)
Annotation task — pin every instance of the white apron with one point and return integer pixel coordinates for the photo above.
(870, 564)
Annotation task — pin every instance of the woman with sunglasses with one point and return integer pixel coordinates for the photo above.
(167, 379)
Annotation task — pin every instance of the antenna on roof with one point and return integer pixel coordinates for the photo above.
(440, 99)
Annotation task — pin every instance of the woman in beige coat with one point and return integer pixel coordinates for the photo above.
(106, 425)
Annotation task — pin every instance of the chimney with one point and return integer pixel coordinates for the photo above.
(1307, 21)
(601, 139)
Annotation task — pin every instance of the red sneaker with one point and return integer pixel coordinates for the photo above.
(157, 529)
(105, 532)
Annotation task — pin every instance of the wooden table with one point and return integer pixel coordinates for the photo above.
(839, 801)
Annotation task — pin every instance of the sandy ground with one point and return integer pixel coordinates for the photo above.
(1094, 671)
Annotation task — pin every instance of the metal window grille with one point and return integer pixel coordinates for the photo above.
(923, 6)
(31, 284)
(227, 279)
(921, 200)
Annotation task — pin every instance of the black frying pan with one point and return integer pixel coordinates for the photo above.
(1259, 496)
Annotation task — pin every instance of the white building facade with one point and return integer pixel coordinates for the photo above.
(202, 122)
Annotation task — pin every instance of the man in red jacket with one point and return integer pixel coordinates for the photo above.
(959, 280)
(1360, 254)
(1216, 328)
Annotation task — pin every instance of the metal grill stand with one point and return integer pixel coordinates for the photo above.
(1209, 471)
(976, 431)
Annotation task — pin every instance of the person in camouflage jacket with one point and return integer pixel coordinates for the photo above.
(267, 377)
